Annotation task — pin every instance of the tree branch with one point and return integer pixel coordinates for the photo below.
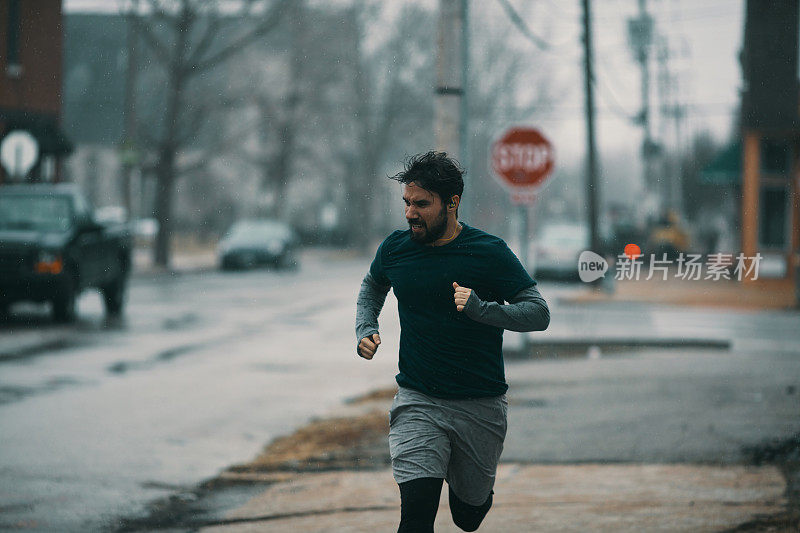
(160, 15)
(271, 19)
(205, 41)
(160, 48)
(224, 145)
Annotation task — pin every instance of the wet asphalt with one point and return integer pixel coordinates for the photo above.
(201, 373)
(102, 418)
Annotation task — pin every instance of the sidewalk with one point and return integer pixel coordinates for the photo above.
(759, 294)
(185, 259)
(312, 489)
(530, 498)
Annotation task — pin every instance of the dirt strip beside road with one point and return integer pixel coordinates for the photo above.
(333, 475)
(533, 498)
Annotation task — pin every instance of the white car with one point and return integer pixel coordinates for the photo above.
(557, 250)
(258, 242)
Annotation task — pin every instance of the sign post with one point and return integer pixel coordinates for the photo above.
(522, 159)
(19, 151)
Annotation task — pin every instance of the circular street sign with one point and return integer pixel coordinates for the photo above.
(18, 152)
(522, 158)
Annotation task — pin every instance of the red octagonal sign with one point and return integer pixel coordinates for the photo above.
(523, 158)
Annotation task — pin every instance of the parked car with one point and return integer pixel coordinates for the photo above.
(258, 242)
(557, 250)
(52, 248)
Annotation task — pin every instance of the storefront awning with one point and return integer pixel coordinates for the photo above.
(726, 168)
(45, 129)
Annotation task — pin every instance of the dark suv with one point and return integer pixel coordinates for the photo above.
(51, 248)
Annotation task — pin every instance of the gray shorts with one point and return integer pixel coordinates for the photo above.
(457, 440)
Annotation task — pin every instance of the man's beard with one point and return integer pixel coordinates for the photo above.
(432, 233)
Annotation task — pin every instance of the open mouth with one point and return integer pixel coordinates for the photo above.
(415, 226)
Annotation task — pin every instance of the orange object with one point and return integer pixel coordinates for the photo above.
(632, 251)
(54, 267)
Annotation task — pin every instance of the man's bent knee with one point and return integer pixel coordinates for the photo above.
(468, 517)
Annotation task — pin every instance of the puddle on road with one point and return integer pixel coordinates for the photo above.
(40, 348)
(528, 402)
(31, 316)
(180, 322)
(172, 353)
(120, 367)
(190, 509)
(13, 393)
(163, 486)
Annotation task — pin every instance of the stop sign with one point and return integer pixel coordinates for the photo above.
(523, 158)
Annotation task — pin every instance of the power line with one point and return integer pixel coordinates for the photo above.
(522, 27)
(612, 100)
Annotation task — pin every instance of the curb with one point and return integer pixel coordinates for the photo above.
(156, 272)
(559, 348)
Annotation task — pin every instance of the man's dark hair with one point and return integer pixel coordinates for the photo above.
(435, 172)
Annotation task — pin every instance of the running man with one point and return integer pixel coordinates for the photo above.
(448, 419)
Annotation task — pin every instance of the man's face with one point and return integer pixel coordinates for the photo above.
(425, 213)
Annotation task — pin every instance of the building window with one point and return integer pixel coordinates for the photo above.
(13, 66)
(773, 217)
(775, 157)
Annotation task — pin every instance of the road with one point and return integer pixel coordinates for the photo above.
(653, 406)
(205, 369)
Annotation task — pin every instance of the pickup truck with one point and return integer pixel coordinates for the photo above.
(52, 248)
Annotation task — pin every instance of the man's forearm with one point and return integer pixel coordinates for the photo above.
(527, 311)
(371, 298)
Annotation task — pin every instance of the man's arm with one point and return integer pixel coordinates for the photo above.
(527, 311)
(371, 298)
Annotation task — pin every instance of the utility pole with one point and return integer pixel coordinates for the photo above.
(669, 108)
(129, 150)
(450, 77)
(663, 96)
(463, 132)
(591, 150)
(640, 38)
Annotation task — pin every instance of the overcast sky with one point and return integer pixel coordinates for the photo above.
(704, 39)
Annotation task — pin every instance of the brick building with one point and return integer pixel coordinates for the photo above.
(770, 209)
(31, 37)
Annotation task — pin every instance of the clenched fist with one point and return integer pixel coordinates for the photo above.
(369, 345)
(461, 296)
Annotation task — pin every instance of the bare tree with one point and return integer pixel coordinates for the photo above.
(279, 117)
(393, 84)
(297, 96)
(188, 39)
(346, 107)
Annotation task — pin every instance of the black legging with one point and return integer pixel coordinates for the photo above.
(419, 501)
